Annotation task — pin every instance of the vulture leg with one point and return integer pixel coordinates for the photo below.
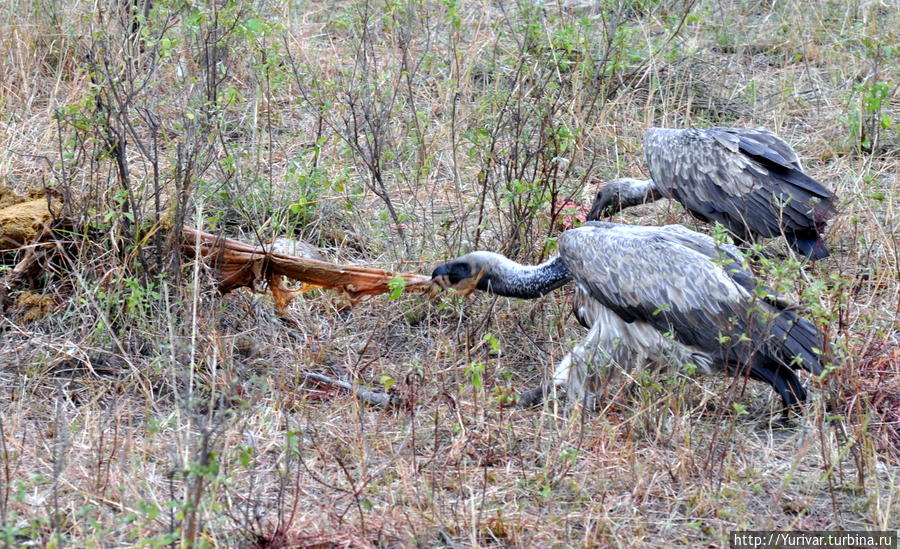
(572, 375)
(593, 372)
(580, 372)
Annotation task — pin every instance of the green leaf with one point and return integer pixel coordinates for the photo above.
(475, 371)
(254, 25)
(493, 342)
(387, 381)
(245, 456)
(397, 286)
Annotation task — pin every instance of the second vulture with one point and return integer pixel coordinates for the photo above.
(749, 180)
(651, 295)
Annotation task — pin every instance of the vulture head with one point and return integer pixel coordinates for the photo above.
(467, 273)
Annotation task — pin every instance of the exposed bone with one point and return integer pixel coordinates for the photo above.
(383, 400)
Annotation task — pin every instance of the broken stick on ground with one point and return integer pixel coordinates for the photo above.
(240, 264)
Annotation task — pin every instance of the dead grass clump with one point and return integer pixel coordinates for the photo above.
(30, 306)
(879, 375)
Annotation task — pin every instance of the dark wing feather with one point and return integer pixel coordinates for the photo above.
(760, 142)
(747, 180)
(772, 152)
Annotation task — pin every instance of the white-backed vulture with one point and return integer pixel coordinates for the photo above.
(656, 294)
(749, 180)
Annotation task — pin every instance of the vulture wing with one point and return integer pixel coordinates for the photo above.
(748, 180)
(686, 286)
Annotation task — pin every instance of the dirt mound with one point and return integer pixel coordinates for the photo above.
(31, 306)
(23, 218)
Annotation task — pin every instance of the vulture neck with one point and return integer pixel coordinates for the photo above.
(507, 278)
(639, 191)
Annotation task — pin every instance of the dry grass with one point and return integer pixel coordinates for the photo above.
(146, 410)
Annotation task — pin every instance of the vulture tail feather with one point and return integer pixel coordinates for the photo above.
(812, 247)
(783, 380)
